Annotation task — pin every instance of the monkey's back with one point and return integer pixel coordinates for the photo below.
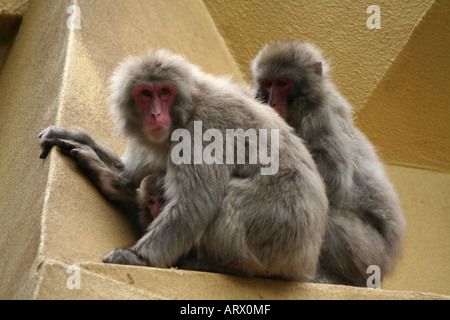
(283, 215)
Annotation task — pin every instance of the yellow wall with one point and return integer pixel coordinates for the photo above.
(425, 262)
(407, 116)
(11, 13)
(398, 80)
(398, 74)
(54, 75)
(359, 56)
(408, 113)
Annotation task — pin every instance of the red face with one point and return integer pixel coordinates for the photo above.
(155, 204)
(153, 102)
(276, 89)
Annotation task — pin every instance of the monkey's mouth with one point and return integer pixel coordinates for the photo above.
(157, 132)
(278, 102)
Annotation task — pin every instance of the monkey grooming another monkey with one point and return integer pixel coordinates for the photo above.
(366, 224)
(223, 215)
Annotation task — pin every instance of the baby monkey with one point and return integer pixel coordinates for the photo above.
(151, 200)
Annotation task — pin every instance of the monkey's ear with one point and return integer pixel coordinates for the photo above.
(317, 67)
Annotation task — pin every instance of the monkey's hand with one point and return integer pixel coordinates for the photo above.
(83, 154)
(48, 138)
(95, 168)
(124, 256)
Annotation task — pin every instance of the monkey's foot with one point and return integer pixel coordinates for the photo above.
(124, 256)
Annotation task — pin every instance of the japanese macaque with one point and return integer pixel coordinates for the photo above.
(366, 224)
(150, 197)
(221, 214)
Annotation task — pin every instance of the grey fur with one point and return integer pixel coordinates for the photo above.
(366, 224)
(226, 218)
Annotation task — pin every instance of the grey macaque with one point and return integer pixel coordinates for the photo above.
(366, 224)
(223, 215)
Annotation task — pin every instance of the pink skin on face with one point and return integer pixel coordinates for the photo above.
(153, 102)
(277, 89)
(154, 204)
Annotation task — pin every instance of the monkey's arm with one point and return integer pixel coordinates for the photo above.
(109, 182)
(50, 136)
(330, 141)
(99, 163)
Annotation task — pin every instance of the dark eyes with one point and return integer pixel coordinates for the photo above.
(279, 83)
(164, 92)
(267, 83)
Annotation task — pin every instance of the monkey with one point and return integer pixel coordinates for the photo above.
(150, 197)
(365, 223)
(223, 216)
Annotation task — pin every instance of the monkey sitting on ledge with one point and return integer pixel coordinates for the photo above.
(221, 216)
(366, 224)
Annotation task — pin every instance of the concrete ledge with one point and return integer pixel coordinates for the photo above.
(100, 281)
(52, 284)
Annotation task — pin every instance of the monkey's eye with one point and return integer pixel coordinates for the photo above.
(146, 93)
(164, 92)
(151, 201)
(281, 83)
(266, 83)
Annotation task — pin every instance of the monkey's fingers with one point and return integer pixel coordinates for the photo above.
(124, 256)
(48, 138)
(45, 149)
(47, 132)
(67, 146)
(46, 146)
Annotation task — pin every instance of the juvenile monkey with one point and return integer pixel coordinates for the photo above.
(366, 224)
(223, 216)
(150, 198)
